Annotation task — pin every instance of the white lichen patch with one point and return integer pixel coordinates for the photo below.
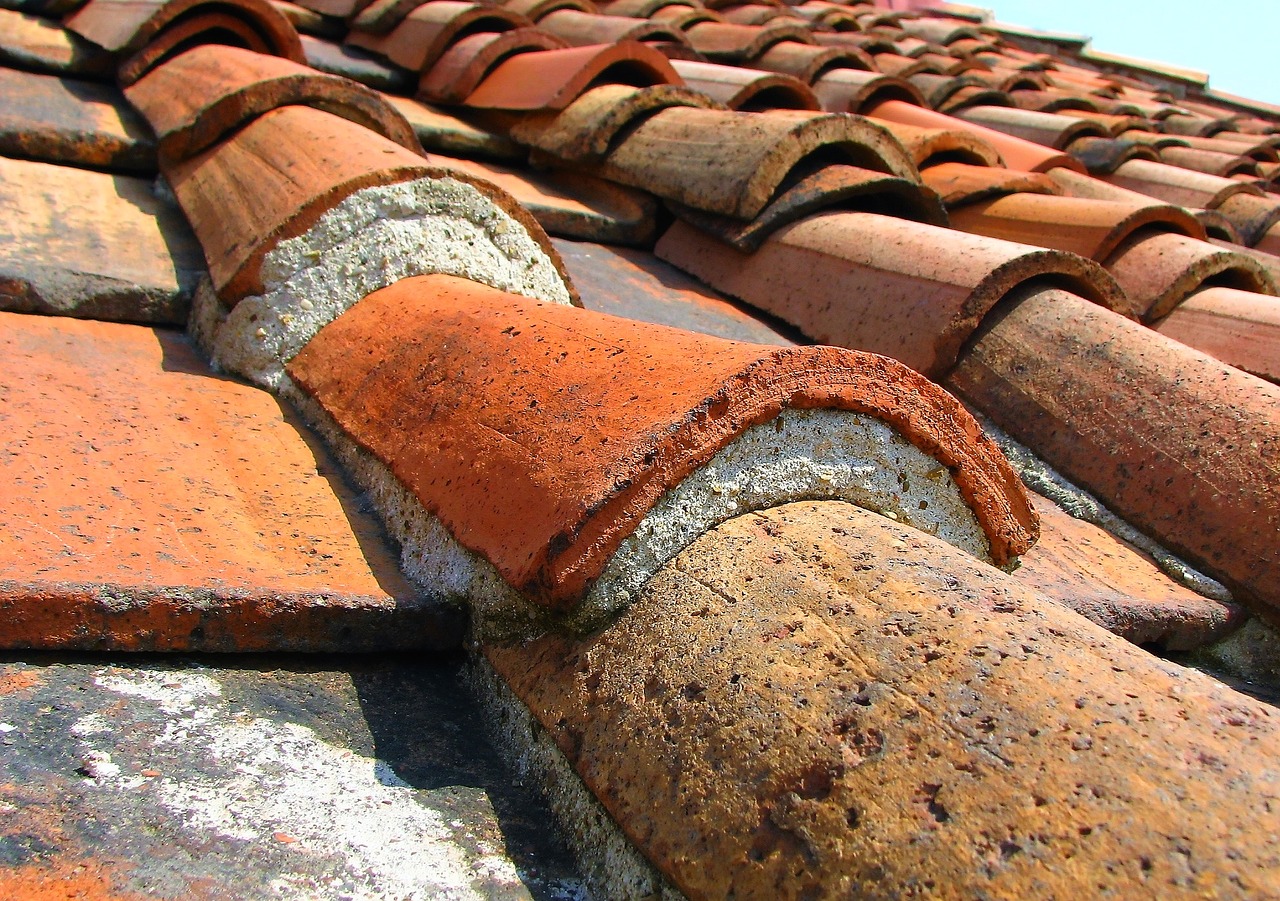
(269, 783)
(371, 239)
(801, 455)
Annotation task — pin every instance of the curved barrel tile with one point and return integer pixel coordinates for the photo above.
(196, 99)
(594, 423)
(462, 67)
(746, 89)
(426, 33)
(852, 91)
(1238, 327)
(960, 183)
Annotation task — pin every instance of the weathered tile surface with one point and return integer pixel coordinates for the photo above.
(88, 244)
(151, 505)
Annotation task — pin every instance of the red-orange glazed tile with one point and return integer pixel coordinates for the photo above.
(1117, 586)
(427, 32)
(462, 67)
(581, 29)
(1091, 228)
(807, 61)
(950, 145)
(79, 243)
(70, 121)
(1016, 152)
(634, 284)
(1046, 129)
(196, 99)
(961, 183)
(126, 27)
(1160, 270)
(272, 180)
(553, 79)
(356, 64)
(910, 291)
(1223, 164)
(732, 163)
(832, 187)
(588, 420)
(571, 204)
(1240, 328)
(150, 505)
(1184, 447)
(37, 44)
(851, 91)
(722, 42)
(746, 89)
(587, 127)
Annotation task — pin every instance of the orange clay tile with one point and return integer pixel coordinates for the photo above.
(832, 187)
(462, 67)
(951, 145)
(937, 89)
(356, 64)
(451, 135)
(1184, 447)
(910, 291)
(205, 28)
(1091, 228)
(553, 79)
(750, 13)
(1237, 327)
(126, 27)
(272, 179)
(1223, 164)
(643, 9)
(1017, 153)
(428, 31)
(1046, 129)
(899, 66)
(1052, 100)
(973, 96)
(570, 204)
(589, 419)
(635, 284)
(732, 163)
(581, 29)
(1176, 185)
(850, 91)
(812, 686)
(68, 121)
(334, 9)
(1117, 586)
(151, 505)
(36, 44)
(960, 183)
(196, 99)
(92, 245)
(536, 9)
(746, 89)
(1158, 270)
(1180, 124)
(722, 42)
(586, 128)
(1218, 226)
(807, 62)
(382, 16)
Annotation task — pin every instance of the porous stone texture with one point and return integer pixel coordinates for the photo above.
(1251, 653)
(373, 238)
(814, 702)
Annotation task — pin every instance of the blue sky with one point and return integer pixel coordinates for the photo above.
(1236, 42)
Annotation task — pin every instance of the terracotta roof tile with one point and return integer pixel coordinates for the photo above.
(961, 183)
(196, 99)
(63, 120)
(356, 64)
(1240, 328)
(589, 452)
(93, 245)
(42, 45)
(462, 67)
(852, 91)
(454, 135)
(217, 552)
(422, 37)
(553, 79)
(746, 89)
(581, 29)
(725, 43)
(907, 290)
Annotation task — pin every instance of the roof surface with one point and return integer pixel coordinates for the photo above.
(799, 437)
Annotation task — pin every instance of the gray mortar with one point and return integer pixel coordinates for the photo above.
(1076, 502)
(611, 865)
(801, 455)
(371, 239)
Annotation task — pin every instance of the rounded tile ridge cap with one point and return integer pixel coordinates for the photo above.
(469, 60)
(127, 26)
(586, 128)
(728, 388)
(238, 85)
